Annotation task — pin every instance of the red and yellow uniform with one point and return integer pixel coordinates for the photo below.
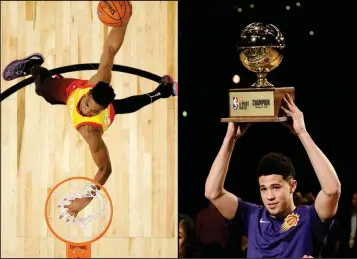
(75, 92)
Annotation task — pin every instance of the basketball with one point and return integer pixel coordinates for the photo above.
(114, 13)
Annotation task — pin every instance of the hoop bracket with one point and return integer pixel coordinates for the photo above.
(78, 251)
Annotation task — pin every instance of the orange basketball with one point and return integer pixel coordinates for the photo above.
(114, 13)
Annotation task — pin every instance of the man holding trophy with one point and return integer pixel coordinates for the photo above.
(279, 228)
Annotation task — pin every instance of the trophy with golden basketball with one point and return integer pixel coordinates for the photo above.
(260, 48)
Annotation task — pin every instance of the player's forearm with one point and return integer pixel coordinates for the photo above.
(324, 170)
(217, 175)
(115, 38)
(102, 175)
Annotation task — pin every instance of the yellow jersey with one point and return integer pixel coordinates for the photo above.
(75, 93)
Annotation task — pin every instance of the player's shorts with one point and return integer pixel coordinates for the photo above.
(56, 90)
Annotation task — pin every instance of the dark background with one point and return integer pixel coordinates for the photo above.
(322, 68)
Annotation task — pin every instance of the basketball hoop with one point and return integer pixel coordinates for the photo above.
(81, 231)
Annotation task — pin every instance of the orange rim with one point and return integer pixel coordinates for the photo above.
(110, 217)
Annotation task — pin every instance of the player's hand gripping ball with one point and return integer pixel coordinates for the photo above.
(114, 13)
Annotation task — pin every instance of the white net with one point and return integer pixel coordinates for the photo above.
(83, 196)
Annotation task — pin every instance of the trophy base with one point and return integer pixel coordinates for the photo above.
(254, 119)
(258, 104)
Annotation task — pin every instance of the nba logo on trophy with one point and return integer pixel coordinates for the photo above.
(235, 103)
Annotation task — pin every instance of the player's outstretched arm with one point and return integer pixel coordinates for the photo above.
(326, 203)
(168, 87)
(99, 151)
(112, 45)
(224, 201)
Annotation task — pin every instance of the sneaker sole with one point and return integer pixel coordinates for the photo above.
(23, 59)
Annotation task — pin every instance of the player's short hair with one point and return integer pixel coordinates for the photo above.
(276, 163)
(189, 227)
(103, 94)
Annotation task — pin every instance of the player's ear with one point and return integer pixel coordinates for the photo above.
(293, 186)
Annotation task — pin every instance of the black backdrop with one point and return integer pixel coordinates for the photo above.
(321, 67)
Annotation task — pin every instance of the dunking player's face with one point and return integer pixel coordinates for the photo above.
(276, 194)
(89, 107)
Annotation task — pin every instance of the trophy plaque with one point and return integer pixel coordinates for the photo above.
(261, 50)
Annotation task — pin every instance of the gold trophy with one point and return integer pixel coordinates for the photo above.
(260, 50)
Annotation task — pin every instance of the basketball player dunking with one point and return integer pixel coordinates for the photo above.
(91, 104)
(278, 229)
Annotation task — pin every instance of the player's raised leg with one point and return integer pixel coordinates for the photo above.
(30, 65)
(111, 47)
(53, 90)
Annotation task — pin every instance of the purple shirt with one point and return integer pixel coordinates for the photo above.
(292, 237)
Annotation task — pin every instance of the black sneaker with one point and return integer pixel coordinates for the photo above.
(22, 67)
(168, 87)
